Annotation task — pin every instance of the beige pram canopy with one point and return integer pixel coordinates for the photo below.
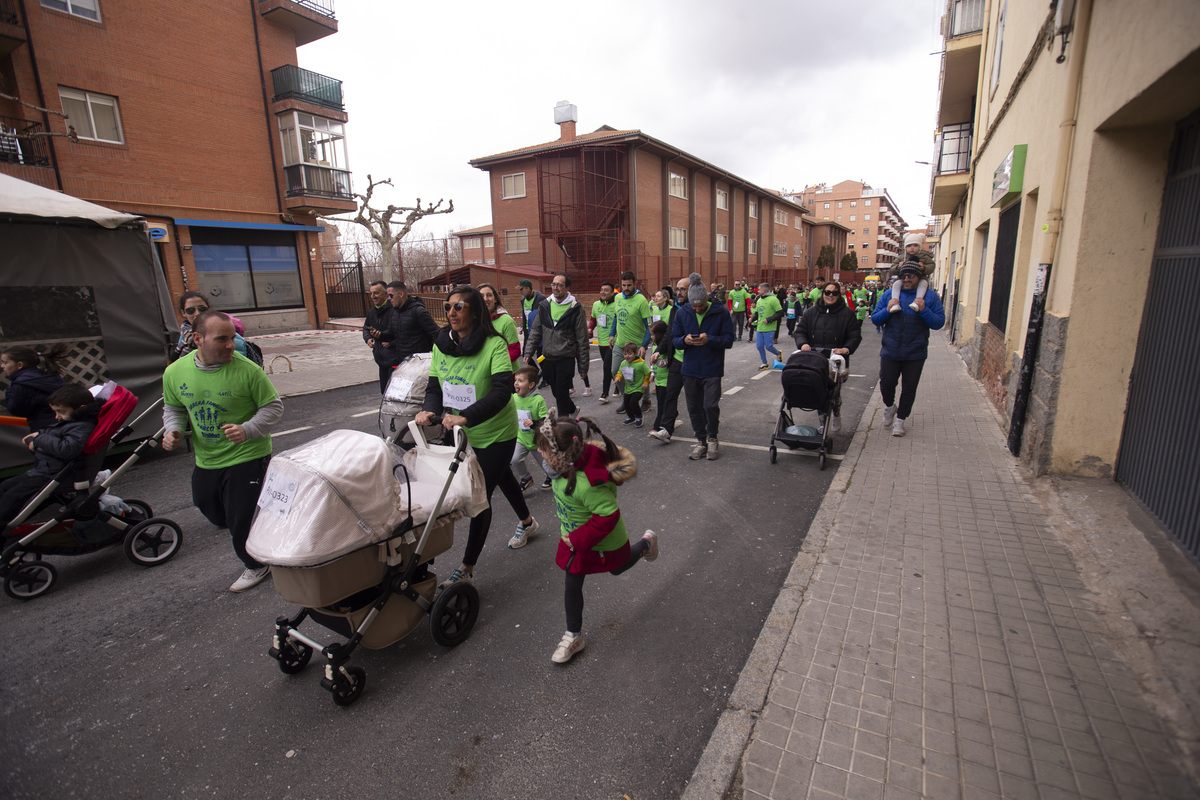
(345, 491)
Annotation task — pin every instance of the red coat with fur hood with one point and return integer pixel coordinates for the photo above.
(583, 555)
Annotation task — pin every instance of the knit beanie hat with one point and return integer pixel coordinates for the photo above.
(696, 291)
(915, 238)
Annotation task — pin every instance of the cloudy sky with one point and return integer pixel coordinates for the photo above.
(783, 93)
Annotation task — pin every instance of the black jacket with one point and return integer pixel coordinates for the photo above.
(377, 319)
(537, 298)
(411, 329)
(825, 326)
(26, 397)
(567, 338)
(61, 443)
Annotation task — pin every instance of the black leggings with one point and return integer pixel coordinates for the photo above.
(573, 592)
(494, 461)
(890, 372)
(606, 360)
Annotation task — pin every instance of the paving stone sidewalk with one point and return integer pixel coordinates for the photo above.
(946, 646)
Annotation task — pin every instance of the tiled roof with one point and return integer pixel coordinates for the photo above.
(473, 231)
(594, 136)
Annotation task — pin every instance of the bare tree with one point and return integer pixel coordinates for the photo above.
(387, 227)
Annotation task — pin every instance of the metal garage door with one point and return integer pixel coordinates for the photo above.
(1159, 461)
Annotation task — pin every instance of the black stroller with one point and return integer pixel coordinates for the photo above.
(810, 383)
(84, 524)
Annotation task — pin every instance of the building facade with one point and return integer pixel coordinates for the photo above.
(875, 229)
(599, 203)
(477, 245)
(1067, 177)
(207, 128)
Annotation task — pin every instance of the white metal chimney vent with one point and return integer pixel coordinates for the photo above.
(565, 112)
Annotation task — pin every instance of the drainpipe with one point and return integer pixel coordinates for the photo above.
(1053, 227)
(37, 79)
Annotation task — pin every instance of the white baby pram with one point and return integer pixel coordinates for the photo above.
(404, 396)
(349, 524)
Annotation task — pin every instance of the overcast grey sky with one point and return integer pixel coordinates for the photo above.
(783, 94)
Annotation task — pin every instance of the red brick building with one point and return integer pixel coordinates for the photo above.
(599, 203)
(875, 229)
(197, 117)
(477, 245)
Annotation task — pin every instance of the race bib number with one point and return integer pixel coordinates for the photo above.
(399, 390)
(627, 373)
(602, 320)
(791, 313)
(459, 397)
(277, 494)
(524, 419)
(655, 318)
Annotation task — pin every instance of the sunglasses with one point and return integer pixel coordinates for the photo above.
(830, 294)
(391, 295)
(195, 310)
(459, 306)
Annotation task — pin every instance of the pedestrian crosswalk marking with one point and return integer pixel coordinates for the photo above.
(364, 413)
(293, 430)
(734, 390)
(764, 373)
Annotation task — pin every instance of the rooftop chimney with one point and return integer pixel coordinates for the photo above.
(565, 116)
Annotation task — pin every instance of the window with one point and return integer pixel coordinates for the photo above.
(779, 248)
(866, 231)
(866, 202)
(722, 199)
(516, 241)
(309, 139)
(247, 269)
(852, 245)
(827, 205)
(471, 243)
(722, 243)
(489, 241)
(839, 216)
(853, 203)
(798, 218)
(797, 251)
(95, 116)
(781, 216)
(89, 9)
(678, 239)
(752, 246)
(998, 49)
(839, 205)
(678, 185)
(866, 245)
(512, 185)
(753, 205)
(864, 259)
(852, 216)
(866, 217)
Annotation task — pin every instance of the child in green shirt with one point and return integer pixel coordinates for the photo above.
(531, 410)
(634, 376)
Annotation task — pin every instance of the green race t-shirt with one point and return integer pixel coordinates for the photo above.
(659, 314)
(767, 306)
(635, 375)
(603, 314)
(576, 509)
(506, 327)
(659, 365)
(739, 298)
(230, 395)
(466, 379)
(631, 315)
(529, 410)
(815, 294)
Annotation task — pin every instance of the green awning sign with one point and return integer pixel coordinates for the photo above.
(1009, 176)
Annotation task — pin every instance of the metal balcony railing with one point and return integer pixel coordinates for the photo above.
(23, 142)
(323, 7)
(307, 179)
(952, 152)
(301, 84)
(966, 16)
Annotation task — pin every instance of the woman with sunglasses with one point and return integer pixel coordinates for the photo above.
(191, 305)
(471, 384)
(831, 327)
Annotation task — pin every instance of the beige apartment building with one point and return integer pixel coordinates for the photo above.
(875, 229)
(1067, 177)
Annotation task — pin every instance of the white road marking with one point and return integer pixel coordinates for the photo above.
(857, 376)
(364, 413)
(293, 430)
(734, 390)
(762, 374)
(781, 449)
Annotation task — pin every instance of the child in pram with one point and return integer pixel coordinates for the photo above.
(76, 412)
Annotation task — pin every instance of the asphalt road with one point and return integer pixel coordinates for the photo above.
(132, 682)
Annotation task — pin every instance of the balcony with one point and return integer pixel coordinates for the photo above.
(22, 143)
(319, 190)
(951, 167)
(12, 35)
(960, 64)
(294, 83)
(309, 20)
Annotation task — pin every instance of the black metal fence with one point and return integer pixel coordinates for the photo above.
(23, 142)
(345, 290)
(302, 84)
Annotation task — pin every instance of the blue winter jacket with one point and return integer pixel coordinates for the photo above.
(906, 333)
(707, 361)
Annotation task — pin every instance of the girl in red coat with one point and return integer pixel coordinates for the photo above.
(592, 536)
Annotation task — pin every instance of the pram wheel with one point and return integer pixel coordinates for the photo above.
(821, 459)
(141, 508)
(153, 541)
(774, 453)
(293, 657)
(453, 614)
(30, 579)
(349, 686)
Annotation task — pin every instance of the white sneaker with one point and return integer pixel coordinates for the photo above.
(714, 449)
(893, 309)
(521, 537)
(250, 578)
(587, 391)
(835, 423)
(571, 644)
(889, 416)
(661, 435)
(603, 399)
(913, 306)
(652, 550)
(898, 427)
(459, 574)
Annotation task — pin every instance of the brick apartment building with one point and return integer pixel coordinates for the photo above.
(875, 227)
(596, 204)
(201, 122)
(477, 245)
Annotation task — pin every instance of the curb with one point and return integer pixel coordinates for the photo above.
(722, 755)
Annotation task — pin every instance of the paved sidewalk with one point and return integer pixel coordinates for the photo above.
(305, 362)
(945, 645)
